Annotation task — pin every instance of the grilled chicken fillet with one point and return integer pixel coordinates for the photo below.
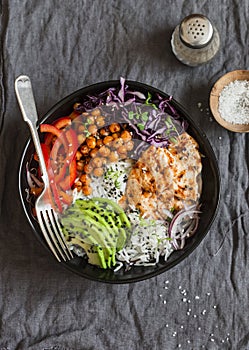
(165, 178)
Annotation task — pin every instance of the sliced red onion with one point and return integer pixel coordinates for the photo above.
(180, 229)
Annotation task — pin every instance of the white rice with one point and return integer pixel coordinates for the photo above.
(149, 241)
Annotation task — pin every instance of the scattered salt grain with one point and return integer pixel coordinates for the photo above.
(234, 102)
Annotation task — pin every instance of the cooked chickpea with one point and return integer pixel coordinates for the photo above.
(126, 135)
(113, 157)
(98, 172)
(90, 119)
(99, 143)
(107, 140)
(115, 135)
(85, 179)
(94, 152)
(80, 165)
(114, 127)
(78, 155)
(78, 185)
(104, 161)
(122, 149)
(92, 129)
(129, 145)
(87, 190)
(100, 121)
(104, 151)
(84, 149)
(96, 112)
(97, 162)
(81, 128)
(88, 168)
(104, 132)
(81, 138)
(91, 142)
(117, 143)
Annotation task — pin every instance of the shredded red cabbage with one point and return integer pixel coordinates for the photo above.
(152, 119)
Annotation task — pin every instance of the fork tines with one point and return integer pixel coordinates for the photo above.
(53, 234)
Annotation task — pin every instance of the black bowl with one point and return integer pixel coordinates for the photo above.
(209, 197)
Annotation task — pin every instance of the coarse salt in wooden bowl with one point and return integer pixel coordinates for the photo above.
(215, 95)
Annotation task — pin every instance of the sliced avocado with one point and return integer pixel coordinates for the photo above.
(98, 226)
(95, 255)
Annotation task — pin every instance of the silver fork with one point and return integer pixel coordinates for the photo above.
(46, 215)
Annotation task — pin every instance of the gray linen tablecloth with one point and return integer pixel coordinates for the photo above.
(203, 302)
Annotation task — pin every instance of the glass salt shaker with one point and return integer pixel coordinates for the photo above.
(195, 40)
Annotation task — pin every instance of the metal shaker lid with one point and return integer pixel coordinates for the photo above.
(196, 31)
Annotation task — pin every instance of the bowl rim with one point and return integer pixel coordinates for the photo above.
(218, 86)
(213, 160)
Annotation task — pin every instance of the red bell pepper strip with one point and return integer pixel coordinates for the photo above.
(72, 148)
(71, 145)
(45, 152)
(51, 129)
(66, 198)
(68, 181)
(53, 185)
(61, 123)
(73, 172)
(72, 140)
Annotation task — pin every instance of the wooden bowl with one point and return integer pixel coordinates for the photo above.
(214, 99)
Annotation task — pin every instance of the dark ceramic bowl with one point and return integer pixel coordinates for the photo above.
(209, 197)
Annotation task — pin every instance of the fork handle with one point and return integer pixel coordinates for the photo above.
(25, 98)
